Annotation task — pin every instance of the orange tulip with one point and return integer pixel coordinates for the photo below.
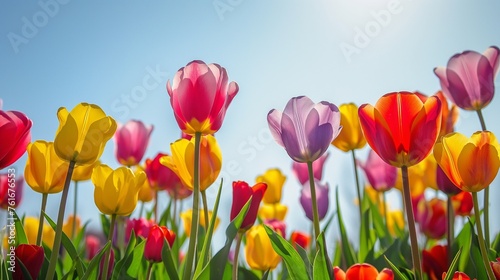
(470, 163)
(363, 271)
(401, 128)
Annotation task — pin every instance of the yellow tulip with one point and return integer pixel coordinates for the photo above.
(146, 193)
(83, 133)
(68, 226)
(116, 191)
(31, 230)
(259, 252)
(351, 137)
(187, 217)
(84, 172)
(470, 163)
(182, 161)
(45, 172)
(274, 180)
(395, 220)
(421, 176)
(273, 211)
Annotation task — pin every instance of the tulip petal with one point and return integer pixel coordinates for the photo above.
(274, 121)
(493, 55)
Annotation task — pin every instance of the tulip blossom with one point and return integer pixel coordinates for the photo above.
(274, 180)
(468, 79)
(444, 184)
(31, 228)
(146, 193)
(242, 193)
(338, 273)
(92, 246)
(131, 140)
(154, 242)
(305, 129)
(83, 133)
(200, 95)
(187, 218)
(380, 175)
(83, 172)
(182, 161)
(275, 211)
(45, 172)
(259, 252)
(462, 204)
(435, 261)
(15, 129)
(495, 266)
(458, 276)
(31, 256)
(421, 175)
(72, 223)
(140, 227)
(11, 190)
(351, 137)
(301, 239)
(395, 221)
(363, 271)
(302, 174)
(116, 190)
(322, 199)
(432, 219)
(159, 176)
(449, 115)
(470, 163)
(401, 128)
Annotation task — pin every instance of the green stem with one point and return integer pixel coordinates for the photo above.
(42, 219)
(120, 234)
(236, 255)
(73, 233)
(205, 208)
(486, 199)
(156, 207)
(358, 190)
(60, 220)
(314, 202)
(150, 268)
(195, 218)
(451, 228)
(386, 215)
(411, 223)
(482, 247)
(105, 268)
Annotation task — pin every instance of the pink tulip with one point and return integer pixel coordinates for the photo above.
(302, 174)
(380, 175)
(15, 131)
(200, 95)
(140, 226)
(13, 197)
(131, 142)
(161, 177)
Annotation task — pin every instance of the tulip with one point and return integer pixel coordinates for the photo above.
(200, 95)
(72, 226)
(83, 133)
(242, 193)
(322, 199)
(457, 276)
(395, 221)
(338, 273)
(15, 128)
(444, 184)
(351, 137)
(273, 211)
(274, 180)
(159, 176)
(146, 193)
(45, 172)
(435, 261)
(259, 252)
(449, 115)
(131, 142)
(470, 163)
(31, 256)
(363, 271)
(11, 190)
(181, 161)
(140, 227)
(380, 175)
(302, 174)
(84, 172)
(305, 129)
(278, 226)
(495, 266)
(187, 217)
(31, 225)
(468, 79)
(462, 203)
(116, 191)
(301, 239)
(154, 242)
(433, 218)
(92, 246)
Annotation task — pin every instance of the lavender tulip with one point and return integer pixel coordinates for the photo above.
(322, 200)
(380, 175)
(305, 129)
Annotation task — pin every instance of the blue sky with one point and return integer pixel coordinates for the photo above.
(119, 55)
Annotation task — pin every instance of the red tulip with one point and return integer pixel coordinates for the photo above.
(11, 190)
(161, 177)
(15, 132)
(31, 256)
(462, 203)
(401, 128)
(435, 261)
(495, 266)
(433, 220)
(131, 142)
(200, 95)
(242, 192)
(458, 276)
(154, 242)
(301, 239)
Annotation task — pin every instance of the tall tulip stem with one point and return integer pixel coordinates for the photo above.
(411, 223)
(236, 254)
(451, 227)
(486, 198)
(314, 202)
(205, 208)
(105, 268)
(75, 200)
(358, 189)
(60, 220)
(42, 219)
(196, 202)
(482, 247)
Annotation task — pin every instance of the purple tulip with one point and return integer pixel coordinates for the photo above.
(305, 129)
(302, 174)
(380, 175)
(322, 200)
(468, 79)
(131, 142)
(444, 183)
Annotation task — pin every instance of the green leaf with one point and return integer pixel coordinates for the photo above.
(168, 261)
(93, 267)
(105, 223)
(396, 271)
(132, 262)
(294, 264)
(347, 251)
(366, 235)
(303, 254)
(453, 266)
(321, 263)
(128, 251)
(20, 235)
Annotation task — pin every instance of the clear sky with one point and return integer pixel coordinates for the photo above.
(119, 55)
